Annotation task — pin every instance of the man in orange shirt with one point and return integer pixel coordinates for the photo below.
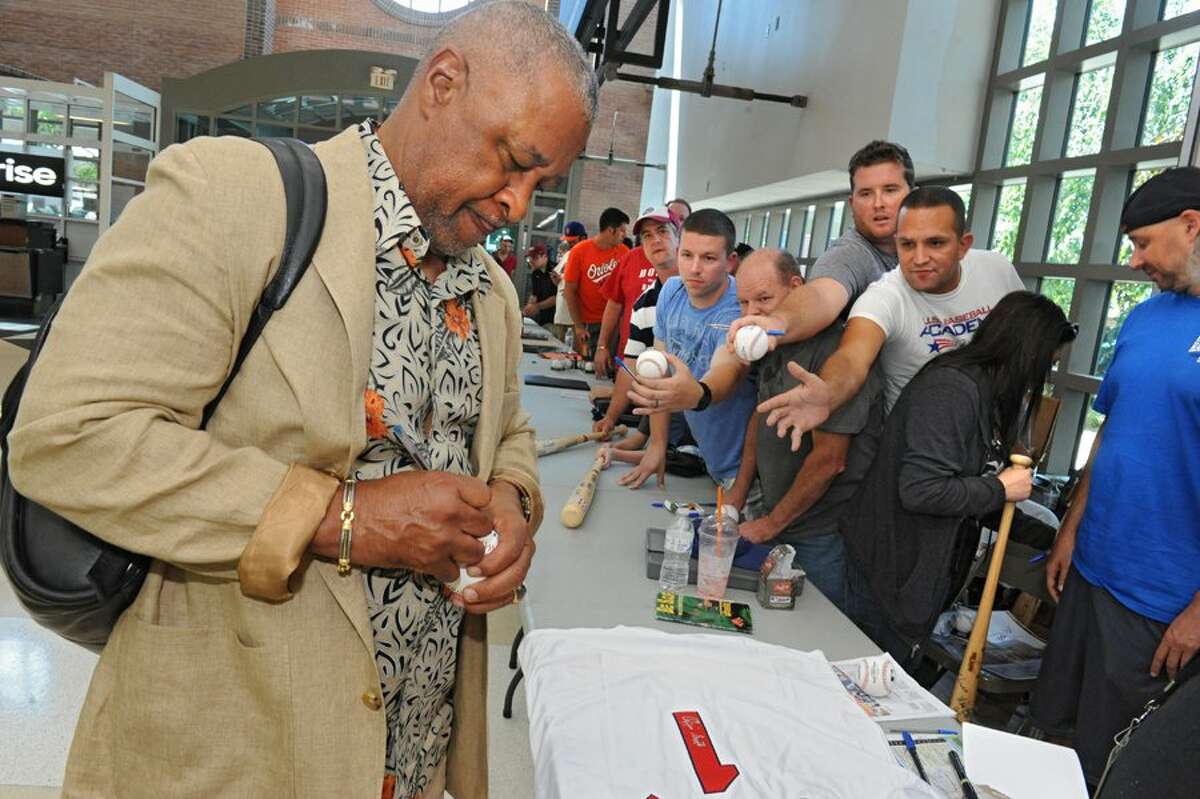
(588, 267)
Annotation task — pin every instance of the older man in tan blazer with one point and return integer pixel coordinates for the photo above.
(249, 666)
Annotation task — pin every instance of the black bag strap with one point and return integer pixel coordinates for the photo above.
(304, 193)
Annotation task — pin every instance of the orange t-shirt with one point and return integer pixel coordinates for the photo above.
(590, 266)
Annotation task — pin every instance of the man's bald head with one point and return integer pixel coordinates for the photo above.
(514, 39)
(764, 279)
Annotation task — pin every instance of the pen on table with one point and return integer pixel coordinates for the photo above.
(967, 788)
(719, 326)
(911, 746)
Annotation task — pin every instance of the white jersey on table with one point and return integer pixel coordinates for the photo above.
(921, 326)
(611, 713)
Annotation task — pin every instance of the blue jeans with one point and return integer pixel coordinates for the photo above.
(823, 558)
(867, 612)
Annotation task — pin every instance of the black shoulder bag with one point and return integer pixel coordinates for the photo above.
(68, 580)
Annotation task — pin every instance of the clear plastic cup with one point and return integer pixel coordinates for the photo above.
(716, 556)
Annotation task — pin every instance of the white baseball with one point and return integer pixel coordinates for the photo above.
(751, 343)
(489, 541)
(653, 364)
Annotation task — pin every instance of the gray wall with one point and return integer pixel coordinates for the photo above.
(910, 70)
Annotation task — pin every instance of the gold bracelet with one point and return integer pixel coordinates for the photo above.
(343, 564)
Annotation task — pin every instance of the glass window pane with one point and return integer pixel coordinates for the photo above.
(964, 190)
(273, 131)
(1104, 20)
(85, 122)
(1123, 295)
(1058, 289)
(189, 126)
(85, 164)
(130, 162)
(319, 110)
(1170, 93)
(835, 222)
(1008, 219)
(1091, 425)
(83, 201)
(233, 127)
(47, 118)
(12, 114)
(280, 109)
(357, 109)
(134, 117)
(241, 111)
(1140, 176)
(810, 217)
(1024, 126)
(1070, 217)
(1041, 27)
(1087, 115)
(44, 206)
(122, 193)
(1173, 8)
(783, 229)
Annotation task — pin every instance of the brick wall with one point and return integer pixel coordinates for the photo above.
(619, 185)
(147, 41)
(144, 41)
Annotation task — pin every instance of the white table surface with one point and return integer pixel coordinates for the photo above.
(595, 575)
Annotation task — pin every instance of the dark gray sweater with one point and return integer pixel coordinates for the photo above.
(905, 528)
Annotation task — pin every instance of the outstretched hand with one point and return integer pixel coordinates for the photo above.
(799, 409)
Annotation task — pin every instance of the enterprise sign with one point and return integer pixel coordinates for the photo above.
(32, 174)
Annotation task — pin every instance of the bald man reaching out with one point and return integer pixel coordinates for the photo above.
(803, 492)
(281, 646)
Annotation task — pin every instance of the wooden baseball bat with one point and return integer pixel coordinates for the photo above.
(580, 500)
(548, 446)
(965, 687)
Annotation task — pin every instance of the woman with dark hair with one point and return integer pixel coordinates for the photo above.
(912, 530)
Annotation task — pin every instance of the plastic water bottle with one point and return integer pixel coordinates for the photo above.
(677, 553)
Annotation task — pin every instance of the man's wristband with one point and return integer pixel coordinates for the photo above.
(705, 397)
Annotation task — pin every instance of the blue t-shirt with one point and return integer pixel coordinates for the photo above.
(1140, 534)
(721, 428)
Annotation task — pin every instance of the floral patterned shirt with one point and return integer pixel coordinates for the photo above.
(423, 397)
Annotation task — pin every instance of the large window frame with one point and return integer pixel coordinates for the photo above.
(1132, 55)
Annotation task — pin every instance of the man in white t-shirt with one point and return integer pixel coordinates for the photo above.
(932, 304)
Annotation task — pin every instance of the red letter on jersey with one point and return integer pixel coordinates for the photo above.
(714, 776)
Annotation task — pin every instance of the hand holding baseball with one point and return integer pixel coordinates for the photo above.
(763, 322)
(677, 392)
(751, 343)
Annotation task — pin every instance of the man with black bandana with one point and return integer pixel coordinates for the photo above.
(1125, 567)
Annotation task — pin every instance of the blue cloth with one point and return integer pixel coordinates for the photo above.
(823, 558)
(720, 429)
(1140, 534)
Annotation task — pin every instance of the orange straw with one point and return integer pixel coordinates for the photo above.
(720, 513)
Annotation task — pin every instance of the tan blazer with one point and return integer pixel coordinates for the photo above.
(244, 668)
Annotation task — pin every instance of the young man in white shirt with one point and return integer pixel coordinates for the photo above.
(933, 303)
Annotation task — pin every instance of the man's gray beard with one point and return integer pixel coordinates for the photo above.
(1192, 272)
(439, 242)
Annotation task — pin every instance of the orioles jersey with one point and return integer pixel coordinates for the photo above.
(632, 713)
